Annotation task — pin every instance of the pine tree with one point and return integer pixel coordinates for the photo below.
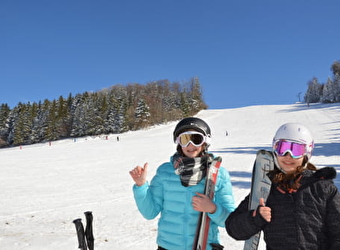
(314, 91)
(142, 114)
(21, 125)
(52, 122)
(328, 92)
(336, 80)
(4, 119)
(336, 88)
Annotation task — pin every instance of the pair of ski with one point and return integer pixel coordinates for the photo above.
(85, 237)
(202, 230)
(260, 188)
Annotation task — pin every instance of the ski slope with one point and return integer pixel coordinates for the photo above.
(45, 187)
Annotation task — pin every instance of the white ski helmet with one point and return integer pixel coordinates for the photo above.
(295, 132)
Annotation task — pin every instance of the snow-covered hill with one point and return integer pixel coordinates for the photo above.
(45, 187)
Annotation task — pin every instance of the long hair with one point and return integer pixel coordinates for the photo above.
(291, 182)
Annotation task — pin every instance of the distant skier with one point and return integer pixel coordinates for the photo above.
(176, 191)
(303, 207)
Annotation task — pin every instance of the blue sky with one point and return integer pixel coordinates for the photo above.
(244, 52)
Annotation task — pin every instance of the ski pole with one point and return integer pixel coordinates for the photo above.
(80, 234)
(88, 230)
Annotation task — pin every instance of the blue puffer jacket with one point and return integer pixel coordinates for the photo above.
(178, 220)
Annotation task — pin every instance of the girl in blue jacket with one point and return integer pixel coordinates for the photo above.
(176, 191)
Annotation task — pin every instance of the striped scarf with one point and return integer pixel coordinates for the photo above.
(191, 170)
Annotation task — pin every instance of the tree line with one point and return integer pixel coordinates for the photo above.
(117, 109)
(328, 92)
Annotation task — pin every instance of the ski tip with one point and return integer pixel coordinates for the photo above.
(218, 158)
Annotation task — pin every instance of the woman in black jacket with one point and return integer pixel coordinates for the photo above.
(302, 211)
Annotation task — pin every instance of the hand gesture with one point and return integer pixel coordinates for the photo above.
(264, 211)
(139, 173)
(202, 203)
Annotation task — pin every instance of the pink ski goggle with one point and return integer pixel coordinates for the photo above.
(296, 150)
(196, 138)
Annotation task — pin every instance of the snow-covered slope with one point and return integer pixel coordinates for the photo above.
(45, 187)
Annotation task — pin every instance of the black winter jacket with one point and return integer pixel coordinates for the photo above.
(308, 219)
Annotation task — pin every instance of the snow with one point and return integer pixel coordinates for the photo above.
(45, 187)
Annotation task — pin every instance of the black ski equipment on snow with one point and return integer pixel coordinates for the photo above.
(80, 234)
(85, 236)
(89, 230)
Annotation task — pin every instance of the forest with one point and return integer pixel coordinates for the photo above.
(122, 108)
(117, 109)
